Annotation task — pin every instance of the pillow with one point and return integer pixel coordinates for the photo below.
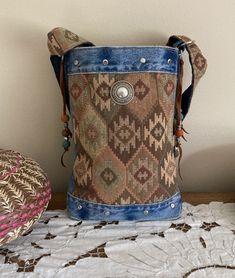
(25, 192)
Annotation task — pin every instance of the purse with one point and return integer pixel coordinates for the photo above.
(126, 107)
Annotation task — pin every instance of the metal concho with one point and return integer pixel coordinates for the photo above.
(122, 92)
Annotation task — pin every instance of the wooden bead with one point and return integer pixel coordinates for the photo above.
(64, 118)
(179, 132)
(66, 132)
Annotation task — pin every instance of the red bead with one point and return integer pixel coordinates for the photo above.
(179, 132)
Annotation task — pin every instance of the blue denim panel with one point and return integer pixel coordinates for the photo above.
(122, 59)
(84, 210)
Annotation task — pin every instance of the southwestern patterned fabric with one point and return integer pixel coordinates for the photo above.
(62, 40)
(127, 109)
(124, 152)
(198, 61)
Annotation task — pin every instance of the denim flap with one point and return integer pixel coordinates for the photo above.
(122, 59)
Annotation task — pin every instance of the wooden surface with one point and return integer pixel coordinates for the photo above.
(58, 200)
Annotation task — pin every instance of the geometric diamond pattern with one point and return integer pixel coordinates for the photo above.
(169, 87)
(79, 91)
(166, 88)
(82, 169)
(124, 134)
(82, 172)
(142, 175)
(155, 130)
(199, 61)
(92, 132)
(145, 93)
(124, 152)
(141, 90)
(100, 90)
(168, 170)
(109, 176)
(75, 91)
(100, 95)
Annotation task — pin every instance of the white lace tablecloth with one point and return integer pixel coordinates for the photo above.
(200, 244)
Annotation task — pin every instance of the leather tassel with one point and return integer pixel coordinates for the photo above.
(185, 130)
(66, 133)
(62, 158)
(179, 130)
(179, 160)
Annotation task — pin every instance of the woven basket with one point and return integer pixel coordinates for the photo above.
(25, 192)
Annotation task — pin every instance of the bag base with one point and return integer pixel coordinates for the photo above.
(168, 209)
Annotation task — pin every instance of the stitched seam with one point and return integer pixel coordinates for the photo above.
(158, 204)
(119, 72)
(171, 49)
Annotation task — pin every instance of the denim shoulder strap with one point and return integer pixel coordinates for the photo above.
(198, 65)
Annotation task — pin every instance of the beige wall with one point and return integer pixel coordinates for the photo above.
(30, 103)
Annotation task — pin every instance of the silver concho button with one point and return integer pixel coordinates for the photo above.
(122, 92)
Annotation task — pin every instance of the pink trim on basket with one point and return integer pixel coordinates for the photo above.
(30, 212)
(15, 223)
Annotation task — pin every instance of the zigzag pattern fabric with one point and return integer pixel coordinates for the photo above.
(124, 152)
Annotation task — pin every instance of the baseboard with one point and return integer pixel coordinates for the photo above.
(58, 200)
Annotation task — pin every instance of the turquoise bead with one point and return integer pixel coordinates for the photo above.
(66, 144)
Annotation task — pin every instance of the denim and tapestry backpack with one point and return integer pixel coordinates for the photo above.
(126, 107)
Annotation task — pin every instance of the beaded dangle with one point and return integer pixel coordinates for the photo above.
(178, 129)
(66, 133)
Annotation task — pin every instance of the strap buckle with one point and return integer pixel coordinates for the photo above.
(183, 44)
